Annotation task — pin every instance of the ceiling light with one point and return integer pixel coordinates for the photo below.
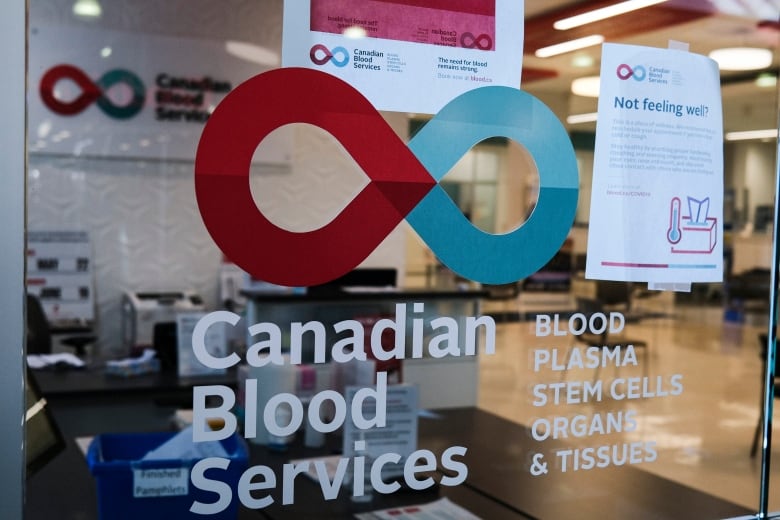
(766, 80)
(87, 8)
(251, 52)
(603, 13)
(355, 32)
(44, 128)
(586, 87)
(742, 58)
(576, 119)
(568, 46)
(582, 61)
(769, 133)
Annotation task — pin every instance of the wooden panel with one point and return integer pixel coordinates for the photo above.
(534, 74)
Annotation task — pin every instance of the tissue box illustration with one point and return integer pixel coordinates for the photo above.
(697, 238)
(696, 233)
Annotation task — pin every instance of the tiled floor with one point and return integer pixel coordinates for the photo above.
(703, 435)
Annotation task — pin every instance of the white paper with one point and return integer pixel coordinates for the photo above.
(160, 482)
(399, 435)
(429, 55)
(182, 447)
(331, 464)
(657, 197)
(173, 480)
(215, 340)
(36, 361)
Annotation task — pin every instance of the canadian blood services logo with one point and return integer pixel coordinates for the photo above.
(320, 55)
(638, 72)
(482, 42)
(404, 181)
(92, 91)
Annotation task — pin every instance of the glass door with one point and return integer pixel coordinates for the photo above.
(553, 394)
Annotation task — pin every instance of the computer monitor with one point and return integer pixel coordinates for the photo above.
(378, 278)
(42, 438)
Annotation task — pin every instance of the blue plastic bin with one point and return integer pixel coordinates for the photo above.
(112, 459)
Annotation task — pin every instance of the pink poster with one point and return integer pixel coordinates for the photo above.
(431, 51)
(468, 24)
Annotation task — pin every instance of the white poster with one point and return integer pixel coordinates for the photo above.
(657, 198)
(427, 54)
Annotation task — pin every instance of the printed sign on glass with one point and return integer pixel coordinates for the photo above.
(657, 198)
(429, 51)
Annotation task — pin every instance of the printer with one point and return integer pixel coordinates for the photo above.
(142, 311)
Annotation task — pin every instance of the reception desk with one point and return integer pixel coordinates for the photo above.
(498, 486)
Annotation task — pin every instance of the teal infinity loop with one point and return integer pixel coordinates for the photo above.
(468, 119)
(128, 110)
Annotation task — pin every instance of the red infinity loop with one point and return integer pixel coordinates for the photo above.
(326, 54)
(624, 71)
(89, 90)
(398, 181)
(483, 41)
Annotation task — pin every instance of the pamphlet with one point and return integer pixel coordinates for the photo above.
(399, 435)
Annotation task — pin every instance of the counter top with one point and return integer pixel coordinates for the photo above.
(498, 486)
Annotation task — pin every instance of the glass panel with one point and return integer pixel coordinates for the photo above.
(553, 396)
(485, 207)
(463, 171)
(487, 163)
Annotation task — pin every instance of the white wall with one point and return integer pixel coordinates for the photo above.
(144, 226)
(751, 167)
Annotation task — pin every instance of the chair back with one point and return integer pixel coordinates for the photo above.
(38, 333)
(614, 293)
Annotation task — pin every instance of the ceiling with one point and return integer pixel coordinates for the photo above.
(704, 24)
(699, 23)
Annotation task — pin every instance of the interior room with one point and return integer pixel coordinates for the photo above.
(117, 248)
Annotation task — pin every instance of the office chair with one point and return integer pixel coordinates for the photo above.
(763, 352)
(588, 307)
(39, 332)
(165, 342)
(613, 293)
